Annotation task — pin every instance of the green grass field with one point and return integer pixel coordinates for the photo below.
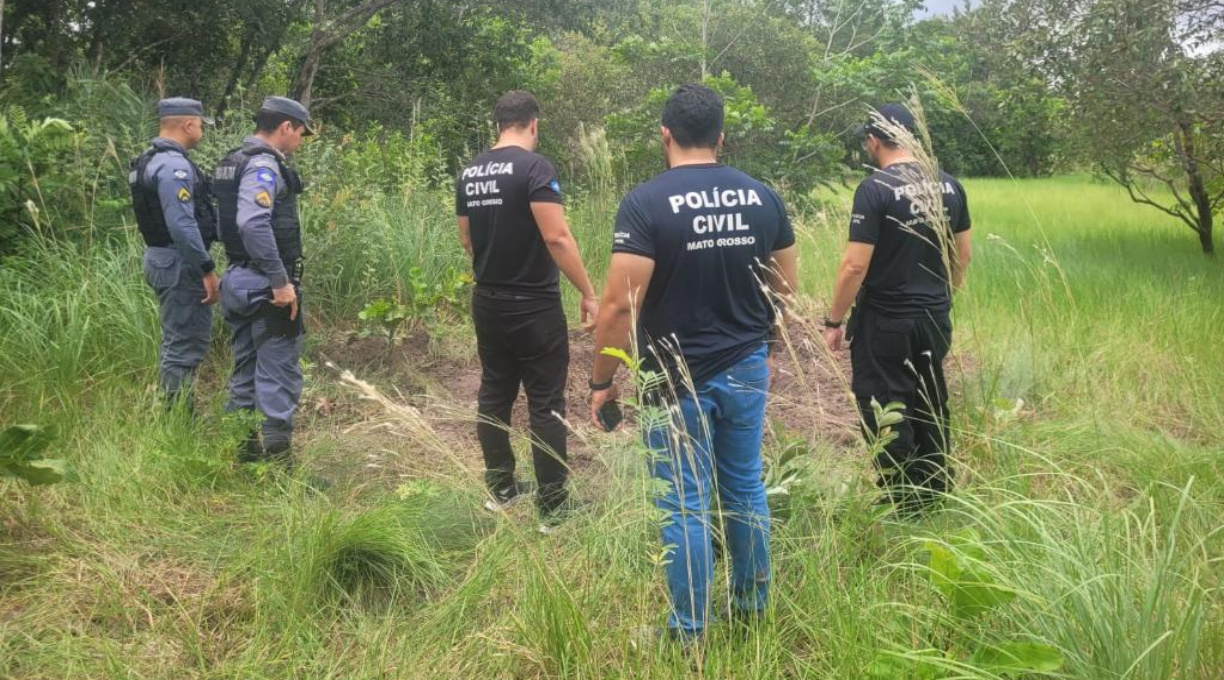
(1089, 517)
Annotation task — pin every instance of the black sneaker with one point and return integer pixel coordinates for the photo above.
(503, 499)
(251, 450)
(552, 520)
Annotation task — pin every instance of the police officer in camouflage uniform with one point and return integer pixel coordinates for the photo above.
(257, 199)
(175, 216)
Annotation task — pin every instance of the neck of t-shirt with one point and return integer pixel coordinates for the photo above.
(899, 161)
(696, 164)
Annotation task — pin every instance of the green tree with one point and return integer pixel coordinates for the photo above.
(1145, 83)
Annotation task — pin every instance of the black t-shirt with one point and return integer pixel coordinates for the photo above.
(710, 230)
(495, 191)
(907, 277)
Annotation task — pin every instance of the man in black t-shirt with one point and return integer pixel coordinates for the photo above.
(910, 225)
(691, 250)
(512, 223)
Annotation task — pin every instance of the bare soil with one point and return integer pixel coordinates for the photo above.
(440, 376)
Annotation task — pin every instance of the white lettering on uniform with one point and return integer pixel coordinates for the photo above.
(474, 188)
(912, 190)
(716, 198)
(719, 222)
(488, 169)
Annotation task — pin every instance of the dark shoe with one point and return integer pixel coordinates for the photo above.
(909, 504)
(501, 500)
(551, 521)
(251, 450)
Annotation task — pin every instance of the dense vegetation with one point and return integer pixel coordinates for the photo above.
(1086, 538)
(1128, 88)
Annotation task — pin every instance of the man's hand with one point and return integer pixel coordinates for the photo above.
(590, 312)
(284, 296)
(834, 337)
(598, 399)
(212, 289)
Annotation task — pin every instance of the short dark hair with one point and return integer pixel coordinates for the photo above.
(694, 114)
(516, 108)
(884, 141)
(268, 122)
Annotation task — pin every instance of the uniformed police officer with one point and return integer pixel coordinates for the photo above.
(257, 198)
(900, 268)
(175, 216)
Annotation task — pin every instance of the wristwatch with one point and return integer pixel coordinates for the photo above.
(599, 387)
(831, 324)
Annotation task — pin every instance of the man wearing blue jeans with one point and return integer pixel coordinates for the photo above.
(691, 249)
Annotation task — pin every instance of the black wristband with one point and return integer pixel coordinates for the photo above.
(208, 267)
(830, 323)
(599, 387)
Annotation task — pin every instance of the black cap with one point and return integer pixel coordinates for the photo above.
(181, 106)
(288, 107)
(894, 113)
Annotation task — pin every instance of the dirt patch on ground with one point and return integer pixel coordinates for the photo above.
(440, 378)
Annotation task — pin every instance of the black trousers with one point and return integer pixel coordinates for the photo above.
(523, 341)
(901, 360)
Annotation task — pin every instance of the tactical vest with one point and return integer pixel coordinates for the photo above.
(151, 219)
(286, 228)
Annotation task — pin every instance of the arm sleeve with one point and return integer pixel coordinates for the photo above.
(631, 233)
(542, 183)
(460, 203)
(786, 232)
(963, 221)
(176, 181)
(256, 195)
(867, 214)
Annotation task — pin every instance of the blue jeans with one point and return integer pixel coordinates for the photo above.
(719, 442)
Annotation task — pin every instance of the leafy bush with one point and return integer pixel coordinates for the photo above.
(36, 170)
(426, 299)
(21, 448)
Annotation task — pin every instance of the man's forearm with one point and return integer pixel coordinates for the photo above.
(614, 331)
(565, 253)
(849, 281)
(960, 267)
(958, 276)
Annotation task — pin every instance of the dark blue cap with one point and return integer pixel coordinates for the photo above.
(288, 107)
(893, 113)
(181, 106)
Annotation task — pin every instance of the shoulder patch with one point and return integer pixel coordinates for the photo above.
(265, 176)
(184, 195)
(555, 186)
(180, 174)
(263, 199)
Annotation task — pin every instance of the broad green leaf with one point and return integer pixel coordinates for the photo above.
(39, 472)
(617, 353)
(1013, 659)
(23, 442)
(913, 666)
(956, 570)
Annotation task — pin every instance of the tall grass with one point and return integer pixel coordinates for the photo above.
(1096, 499)
(72, 317)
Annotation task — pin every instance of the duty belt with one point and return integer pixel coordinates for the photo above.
(294, 270)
